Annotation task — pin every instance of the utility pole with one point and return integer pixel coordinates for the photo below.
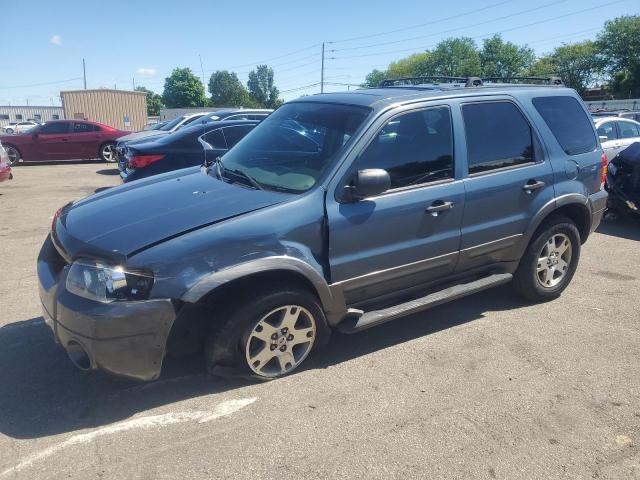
(84, 73)
(204, 85)
(133, 82)
(322, 71)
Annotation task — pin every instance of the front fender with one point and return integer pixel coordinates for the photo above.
(333, 306)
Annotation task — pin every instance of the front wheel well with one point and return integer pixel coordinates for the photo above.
(195, 320)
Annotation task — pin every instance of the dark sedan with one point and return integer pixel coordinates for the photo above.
(182, 149)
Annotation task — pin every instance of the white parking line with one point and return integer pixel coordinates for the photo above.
(223, 409)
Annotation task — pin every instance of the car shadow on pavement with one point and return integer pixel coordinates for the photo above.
(108, 171)
(42, 393)
(621, 226)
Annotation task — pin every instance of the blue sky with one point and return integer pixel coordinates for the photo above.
(44, 41)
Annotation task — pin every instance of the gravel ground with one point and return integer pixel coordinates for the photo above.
(486, 387)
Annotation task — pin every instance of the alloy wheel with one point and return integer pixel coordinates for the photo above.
(554, 260)
(108, 153)
(280, 341)
(13, 155)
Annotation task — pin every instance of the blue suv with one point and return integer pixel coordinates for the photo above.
(339, 211)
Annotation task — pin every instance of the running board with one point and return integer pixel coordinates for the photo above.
(353, 324)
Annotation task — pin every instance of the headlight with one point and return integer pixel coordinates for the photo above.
(106, 284)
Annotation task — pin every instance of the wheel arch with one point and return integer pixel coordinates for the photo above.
(224, 282)
(574, 206)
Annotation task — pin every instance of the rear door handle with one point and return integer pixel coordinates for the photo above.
(439, 206)
(532, 185)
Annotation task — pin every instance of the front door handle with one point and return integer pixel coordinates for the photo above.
(439, 206)
(532, 185)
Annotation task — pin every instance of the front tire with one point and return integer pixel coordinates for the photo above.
(550, 261)
(268, 335)
(9, 130)
(108, 152)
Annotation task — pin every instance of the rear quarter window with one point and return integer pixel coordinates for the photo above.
(568, 122)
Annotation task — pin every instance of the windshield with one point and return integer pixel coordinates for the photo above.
(294, 146)
(168, 126)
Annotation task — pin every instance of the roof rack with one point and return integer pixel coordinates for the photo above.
(467, 81)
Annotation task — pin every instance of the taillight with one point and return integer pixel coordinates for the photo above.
(55, 217)
(139, 161)
(603, 175)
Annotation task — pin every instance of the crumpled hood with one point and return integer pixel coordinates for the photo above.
(124, 220)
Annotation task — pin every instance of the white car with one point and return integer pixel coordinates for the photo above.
(4, 157)
(20, 127)
(616, 134)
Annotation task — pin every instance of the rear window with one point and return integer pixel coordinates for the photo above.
(569, 123)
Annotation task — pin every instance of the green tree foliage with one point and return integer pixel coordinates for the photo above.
(504, 59)
(412, 66)
(261, 87)
(226, 90)
(154, 101)
(183, 89)
(454, 57)
(374, 78)
(577, 64)
(619, 47)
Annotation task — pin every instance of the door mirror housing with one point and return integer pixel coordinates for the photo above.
(369, 183)
(603, 138)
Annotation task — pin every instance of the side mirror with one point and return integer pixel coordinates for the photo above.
(603, 138)
(369, 183)
(34, 136)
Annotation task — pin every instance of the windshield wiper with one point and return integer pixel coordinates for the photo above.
(239, 173)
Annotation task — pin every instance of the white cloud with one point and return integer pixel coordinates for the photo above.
(56, 40)
(148, 72)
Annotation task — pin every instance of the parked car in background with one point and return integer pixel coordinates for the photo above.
(156, 126)
(167, 128)
(405, 198)
(187, 147)
(201, 117)
(629, 114)
(616, 134)
(20, 127)
(63, 140)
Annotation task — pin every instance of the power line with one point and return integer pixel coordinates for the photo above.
(504, 17)
(389, 32)
(41, 84)
(302, 87)
(539, 22)
(249, 64)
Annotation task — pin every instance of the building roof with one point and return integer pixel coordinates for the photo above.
(94, 90)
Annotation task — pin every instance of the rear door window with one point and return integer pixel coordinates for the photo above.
(568, 122)
(82, 127)
(628, 130)
(498, 136)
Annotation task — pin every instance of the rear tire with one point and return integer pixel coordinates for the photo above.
(14, 155)
(267, 334)
(550, 260)
(9, 130)
(108, 152)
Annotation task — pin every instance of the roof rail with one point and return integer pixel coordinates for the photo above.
(468, 81)
(419, 80)
(550, 80)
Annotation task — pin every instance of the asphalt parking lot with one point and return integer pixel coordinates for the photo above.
(486, 387)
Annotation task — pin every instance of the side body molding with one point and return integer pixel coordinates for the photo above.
(334, 306)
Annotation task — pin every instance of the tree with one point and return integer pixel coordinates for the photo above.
(226, 90)
(183, 89)
(261, 87)
(575, 63)
(619, 48)
(454, 57)
(411, 66)
(374, 78)
(154, 101)
(504, 59)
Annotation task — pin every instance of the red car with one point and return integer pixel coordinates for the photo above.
(5, 172)
(63, 140)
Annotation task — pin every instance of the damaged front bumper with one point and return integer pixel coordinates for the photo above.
(126, 338)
